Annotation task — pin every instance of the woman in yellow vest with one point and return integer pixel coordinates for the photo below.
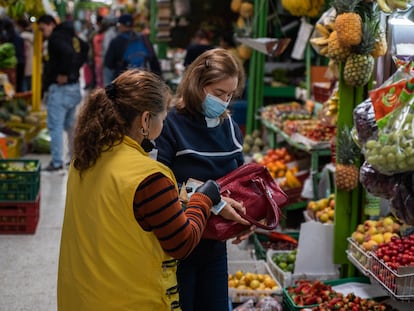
(124, 226)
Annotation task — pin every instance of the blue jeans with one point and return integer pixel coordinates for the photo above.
(202, 278)
(61, 103)
(108, 75)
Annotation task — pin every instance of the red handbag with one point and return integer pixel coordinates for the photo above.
(252, 185)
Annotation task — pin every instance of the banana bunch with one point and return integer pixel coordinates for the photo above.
(290, 181)
(310, 8)
(320, 38)
(330, 109)
(390, 6)
(18, 8)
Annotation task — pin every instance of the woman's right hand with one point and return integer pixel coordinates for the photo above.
(229, 211)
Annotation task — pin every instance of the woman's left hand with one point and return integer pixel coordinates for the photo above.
(229, 211)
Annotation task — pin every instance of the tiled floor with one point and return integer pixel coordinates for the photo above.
(28, 263)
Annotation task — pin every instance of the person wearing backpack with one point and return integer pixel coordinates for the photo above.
(66, 53)
(130, 49)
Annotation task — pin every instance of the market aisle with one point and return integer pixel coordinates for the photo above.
(28, 263)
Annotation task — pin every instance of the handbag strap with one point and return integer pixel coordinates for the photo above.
(275, 209)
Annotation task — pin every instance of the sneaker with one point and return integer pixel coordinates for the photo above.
(51, 168)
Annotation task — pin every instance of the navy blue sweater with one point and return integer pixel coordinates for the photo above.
(191, 149)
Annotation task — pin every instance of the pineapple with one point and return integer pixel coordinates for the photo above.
(336, 50)
(347, 152)
(348, 23)
(360, 64)
(381, 45)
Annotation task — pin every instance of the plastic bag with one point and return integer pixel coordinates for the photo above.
(323, 28)
(385, 97)
(402, 202)
(378, 184)
(393, 152)
(364, 122)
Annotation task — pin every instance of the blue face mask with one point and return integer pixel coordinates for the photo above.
(213, 107)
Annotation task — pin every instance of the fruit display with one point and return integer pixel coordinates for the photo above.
(275, 160)
(279, 113)
(392, 265)
(318, 296)
(347, 153)
(351, 302)
(307, 293)
(397, 252)
(322, 210)
(320, 133)
(253, 143)
(390, 6)
(285, 260)
(372, 233)
(245, 280)
(303, 7)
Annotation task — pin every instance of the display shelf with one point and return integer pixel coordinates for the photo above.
(316, 152)
(280, 91)
(358, 257)
(399, 284)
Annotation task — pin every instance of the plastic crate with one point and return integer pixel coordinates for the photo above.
(19, 185)
(19, 217)
(360, 258)
(253, 266)
(399, 284)
(260, 250)
(289, 305)
(289, 278)
(284, 277)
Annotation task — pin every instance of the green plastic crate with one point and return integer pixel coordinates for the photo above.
(289, 305)
(18, 182)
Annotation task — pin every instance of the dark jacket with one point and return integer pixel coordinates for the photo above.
(115, 54)
(66, 54)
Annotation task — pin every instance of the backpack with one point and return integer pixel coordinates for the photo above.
(137, 54)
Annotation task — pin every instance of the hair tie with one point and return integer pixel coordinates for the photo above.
(110, 91)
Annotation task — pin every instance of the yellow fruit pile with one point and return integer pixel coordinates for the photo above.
(251, 281)
(374, 232)
(244, 23)
(310, 8)
(322, 210)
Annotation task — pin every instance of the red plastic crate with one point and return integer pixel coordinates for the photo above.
(19, 217)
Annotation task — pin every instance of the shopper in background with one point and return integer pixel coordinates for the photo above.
(97, 43)
(115, 58)
(66, 53)
(200, 43)
(123, 223)
(109, 34)
(26, 33)
(200, 140)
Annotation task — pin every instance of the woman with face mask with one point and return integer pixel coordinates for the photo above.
(200, 140)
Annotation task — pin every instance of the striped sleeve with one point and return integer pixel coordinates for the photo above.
(157, 208)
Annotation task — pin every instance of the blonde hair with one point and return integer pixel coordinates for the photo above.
(210, 67)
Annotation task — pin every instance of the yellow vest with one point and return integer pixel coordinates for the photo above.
(107, 261)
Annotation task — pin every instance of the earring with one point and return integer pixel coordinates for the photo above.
(146, 144)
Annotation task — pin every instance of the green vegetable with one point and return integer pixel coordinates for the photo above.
(7, 55)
